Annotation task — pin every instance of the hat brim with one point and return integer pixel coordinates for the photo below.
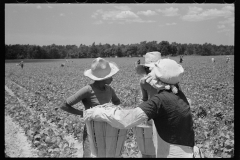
(114, 70)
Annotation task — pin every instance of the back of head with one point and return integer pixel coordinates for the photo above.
(168, 71)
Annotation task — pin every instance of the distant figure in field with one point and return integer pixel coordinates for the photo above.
(62, 65)
(181, 59)
(21, 64)
(228, 59)
(213, 60)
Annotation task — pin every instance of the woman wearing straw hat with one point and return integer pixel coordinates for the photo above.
(173, 123)
(94, 94)
(144, 69)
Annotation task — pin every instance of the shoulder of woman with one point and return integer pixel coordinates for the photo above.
(165, 93)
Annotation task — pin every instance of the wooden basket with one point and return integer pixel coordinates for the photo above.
(144, 134)
(105, 140)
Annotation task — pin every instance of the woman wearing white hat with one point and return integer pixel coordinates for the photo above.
(144, 69)
(94, 94)
(169, 109)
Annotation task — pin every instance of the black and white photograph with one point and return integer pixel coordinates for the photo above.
(119, 80)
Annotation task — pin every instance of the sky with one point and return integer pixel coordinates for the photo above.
(75, 24)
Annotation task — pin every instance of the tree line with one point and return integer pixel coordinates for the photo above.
(53, 51)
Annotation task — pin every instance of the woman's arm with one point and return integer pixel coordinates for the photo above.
(72, 100)
(78, 96)
(178, 86)
(122, 119)
(144, 92)
(66, 107)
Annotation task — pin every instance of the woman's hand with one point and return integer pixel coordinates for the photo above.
(136, 63)
(139, 68)
(153, 81)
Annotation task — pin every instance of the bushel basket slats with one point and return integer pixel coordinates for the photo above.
(99, 129)
(107, 141)
(140, 139)
(111, 141)
(144, 139)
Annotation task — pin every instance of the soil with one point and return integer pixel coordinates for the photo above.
(16, 143)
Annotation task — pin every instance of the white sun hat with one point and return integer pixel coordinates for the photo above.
(101, 69)
(168, 71)
(151, 58)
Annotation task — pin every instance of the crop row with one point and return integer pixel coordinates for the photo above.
(209, 86)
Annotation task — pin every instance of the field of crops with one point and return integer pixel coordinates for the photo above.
(43, 86)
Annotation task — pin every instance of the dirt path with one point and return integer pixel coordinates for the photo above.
(16, 143)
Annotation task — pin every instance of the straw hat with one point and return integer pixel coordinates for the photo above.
(167, 71)
(101, 69)
(151, 58)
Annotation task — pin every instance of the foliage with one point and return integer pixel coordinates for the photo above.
(133, 50)
(44, 86)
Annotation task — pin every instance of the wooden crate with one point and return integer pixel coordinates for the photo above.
(105, 140)
(143, 134)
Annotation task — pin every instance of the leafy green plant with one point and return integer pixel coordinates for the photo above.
(44, 86)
